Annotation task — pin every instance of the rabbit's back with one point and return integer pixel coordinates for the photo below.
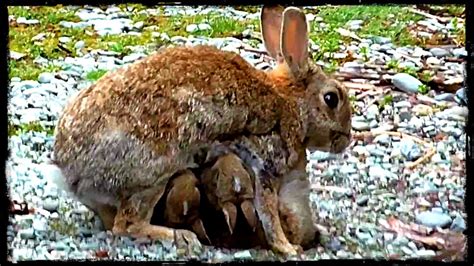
(164, 106)
(180, 94)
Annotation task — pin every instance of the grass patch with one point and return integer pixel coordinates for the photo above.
(27, 70)
(96, 74)
(63, 227)
(221, 26)
(423, 89)
(386, 100)
(49, 47)
(379, 20)
(15, 130)
(249, 9)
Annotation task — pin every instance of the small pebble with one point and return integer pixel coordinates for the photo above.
(243, 255)
(406, 83)
(459, 52)
(79, 45)
(360, 125)
(461, 96)
(362, 201)
(64, 39)
(458, 225)
(445, 97)
(425, 253)
(28, 233)
(433, 61)
(15, 55)
(433, 219)
(439, 52)
(50, 204)
(45, 77)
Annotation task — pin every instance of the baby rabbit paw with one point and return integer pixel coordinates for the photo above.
(286, 249)
(187, 240)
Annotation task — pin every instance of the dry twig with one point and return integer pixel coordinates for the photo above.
(410, 165)
(328, 188)
(438, 18)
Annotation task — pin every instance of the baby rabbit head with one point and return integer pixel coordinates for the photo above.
(286, 36)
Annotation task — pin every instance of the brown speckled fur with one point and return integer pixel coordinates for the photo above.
(120, 140)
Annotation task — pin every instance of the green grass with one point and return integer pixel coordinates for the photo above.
(63, 227)
(387, 21)
(15, 130)
(27, 70)
(386, 100)
(423, 89)
(95, 75)
(379, 20)
(20, 35)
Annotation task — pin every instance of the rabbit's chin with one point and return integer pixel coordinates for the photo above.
(337, 144)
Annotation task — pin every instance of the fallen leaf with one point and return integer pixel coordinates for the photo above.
(448, 243)
(19, 208)
(440, 137)
(102, 254)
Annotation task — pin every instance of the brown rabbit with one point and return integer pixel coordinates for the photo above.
(226, 184)
(120, 140)
(183, 201)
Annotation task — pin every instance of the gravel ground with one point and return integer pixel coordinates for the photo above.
(367, 200)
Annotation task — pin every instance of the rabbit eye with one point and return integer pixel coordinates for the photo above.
(331, 99)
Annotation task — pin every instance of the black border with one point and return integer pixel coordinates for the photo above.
(469, 195)
(4, 133)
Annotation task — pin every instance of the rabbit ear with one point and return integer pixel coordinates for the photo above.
(294, 39)
(270, 25)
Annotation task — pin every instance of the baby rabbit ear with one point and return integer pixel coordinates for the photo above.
(270, 25)
(294, 39)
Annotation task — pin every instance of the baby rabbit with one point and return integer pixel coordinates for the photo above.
(292, 188)
(284, 193)
(296, 215)
(183, 201)
(226, 184)
(120, 140)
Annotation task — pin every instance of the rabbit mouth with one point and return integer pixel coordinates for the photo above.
(340, 141)
(332, 141)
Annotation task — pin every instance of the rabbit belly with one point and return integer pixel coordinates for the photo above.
(114, 166)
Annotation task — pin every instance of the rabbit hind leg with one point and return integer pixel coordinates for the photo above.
(134, 215)
(106, 214)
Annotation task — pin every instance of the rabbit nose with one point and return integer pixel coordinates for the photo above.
(340, 142)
